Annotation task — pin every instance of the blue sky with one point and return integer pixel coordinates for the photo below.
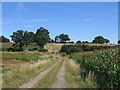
(81, 20)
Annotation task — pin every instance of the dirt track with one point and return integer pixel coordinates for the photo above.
(60, 82)
(39, 77)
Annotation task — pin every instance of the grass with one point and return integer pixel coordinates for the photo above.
(20, 71)
(50, 78)
(22, 56)
(23, 73)
(74, 79)
(7, 44)
(4, 70)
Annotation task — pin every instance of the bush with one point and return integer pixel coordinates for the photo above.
(70, 49)
(33, 49)
(105, 65)
(42, 50)
(3, 49)
(78, 48)
(15, 49)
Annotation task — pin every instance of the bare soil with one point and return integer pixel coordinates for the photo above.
(39, 77)
(60, 82)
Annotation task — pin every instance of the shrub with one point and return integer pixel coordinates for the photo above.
(3, 49)
(105, 65)
(78, 48)
(33, 49)
(15, 49)
(70, 49)
(42, 50)
(5, 69)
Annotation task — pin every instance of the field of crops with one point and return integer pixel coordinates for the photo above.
(104, 64)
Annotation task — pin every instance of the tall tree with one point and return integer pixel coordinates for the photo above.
(100, 40)
(118, 41)
(4, 39)
(57, 39)
(51, 41)
(106, 41)
(78, 41)
(28, 37)
(42, 37)
(17, 37)
(63, 38)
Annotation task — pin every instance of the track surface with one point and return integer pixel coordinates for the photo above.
(60, 82)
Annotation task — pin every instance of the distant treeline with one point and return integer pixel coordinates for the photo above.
(41, 37)
(80, 48)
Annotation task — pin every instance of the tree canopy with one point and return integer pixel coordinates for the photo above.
(4, 39)
(28, 37)
(100, 40)
(118, 41)
(62, 38)
(78, 41)
(18, 37)
(42, 37)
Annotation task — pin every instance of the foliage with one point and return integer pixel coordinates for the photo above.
(105, 65)
(100, 40)
(78, 41)
(42, 50)
(51, 41)
(17, 37)
(22, 56)
(33, 49)
(4, 39)
(57, 39)
(70, 49)
(15, 49)
(5, 69)
(85, 42)
(62, 38)
(42, 37)
(79, 48)
(118, 41)
(28, 37)
(3, 49)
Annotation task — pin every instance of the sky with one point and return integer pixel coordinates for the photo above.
(80, 20)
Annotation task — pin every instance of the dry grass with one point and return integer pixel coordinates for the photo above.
(50, 78)
(74, 79)
(53, 47)
(22, 73)
(7, 44)
(98, 44)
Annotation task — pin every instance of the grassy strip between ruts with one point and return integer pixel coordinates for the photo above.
(74, 79)
(23, 73)
(50, 78)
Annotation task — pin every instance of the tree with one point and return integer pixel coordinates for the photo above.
(100, 40)
(52, 41)
(42, 37)
(118, 41)
(63, 38)
(28, 37)
(57, 39)
(17, 37)
(85, 42)
(78, 41)
(4, 39)
(106, 41)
